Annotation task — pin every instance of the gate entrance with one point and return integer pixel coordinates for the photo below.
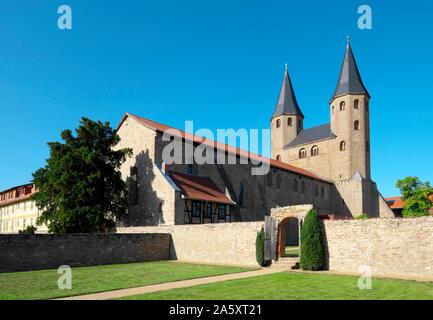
(283, 231)
(288, 238)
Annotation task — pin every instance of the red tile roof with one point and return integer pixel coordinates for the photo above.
(199, 188)
(222, 146)
(16, 194)
(395, 202)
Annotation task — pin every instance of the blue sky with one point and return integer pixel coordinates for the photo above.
(218, 63)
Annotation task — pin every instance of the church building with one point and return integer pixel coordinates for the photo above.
(327, 166)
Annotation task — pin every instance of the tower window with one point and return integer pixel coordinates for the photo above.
(342, 105)
(342, 146)
(289, 122)
(314, 151)
(278, 124)
(356, 104)
(356, 125)
(302, 153)
(278, 158)
(278, 182)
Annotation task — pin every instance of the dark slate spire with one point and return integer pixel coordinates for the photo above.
(287, 103)
(350, 80)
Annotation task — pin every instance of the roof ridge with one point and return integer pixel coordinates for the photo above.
(226, 147)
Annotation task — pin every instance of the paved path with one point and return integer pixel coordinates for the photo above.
(173, 285)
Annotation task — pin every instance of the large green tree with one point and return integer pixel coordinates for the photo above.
(80, 188)
(415, 195)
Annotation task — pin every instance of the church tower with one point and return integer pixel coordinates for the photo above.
(350, 122)
(287, 119)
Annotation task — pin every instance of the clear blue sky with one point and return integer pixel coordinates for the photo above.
(219, 63)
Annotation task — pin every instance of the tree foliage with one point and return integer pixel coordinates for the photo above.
(415, 195)
(80, 188)
(312, 250)
(260, 249)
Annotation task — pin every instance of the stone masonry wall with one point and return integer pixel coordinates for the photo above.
(391, 247)
(224, 243)
(25, 252)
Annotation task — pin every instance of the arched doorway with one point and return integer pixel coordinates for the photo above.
(288, 223)
(288, 238)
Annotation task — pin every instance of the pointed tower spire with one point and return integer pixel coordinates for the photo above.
(287, 103)
(350, 81)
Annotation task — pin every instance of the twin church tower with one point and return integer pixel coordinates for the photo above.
(339, 150)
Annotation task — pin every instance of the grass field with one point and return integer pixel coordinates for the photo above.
(43, 284)
(299, 286)
(292, 251)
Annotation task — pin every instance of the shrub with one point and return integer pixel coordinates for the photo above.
(363, 216)
(28, 230)
(260, 249)
(312, 251)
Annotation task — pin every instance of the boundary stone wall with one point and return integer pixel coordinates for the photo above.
(391, 247)
(23, 252)
(223, 243)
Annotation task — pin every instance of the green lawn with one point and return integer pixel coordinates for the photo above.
(292, 251)
(43, 284)
(299, 286)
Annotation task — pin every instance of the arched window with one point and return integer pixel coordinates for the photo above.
(241, 195)
(278, 181)
(342, 146)
(278, 158)
(314, 151)
(302, 153)
(303, 186)
(289, 122)
(342, 105)
(269, 179)
(356, 104)
(278, 124)
(356, 125)
(295, 185)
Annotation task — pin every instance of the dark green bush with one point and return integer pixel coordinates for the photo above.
(312, 250)
(28, 230)
(260, 249)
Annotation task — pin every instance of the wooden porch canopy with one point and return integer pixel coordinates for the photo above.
(199, 188)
